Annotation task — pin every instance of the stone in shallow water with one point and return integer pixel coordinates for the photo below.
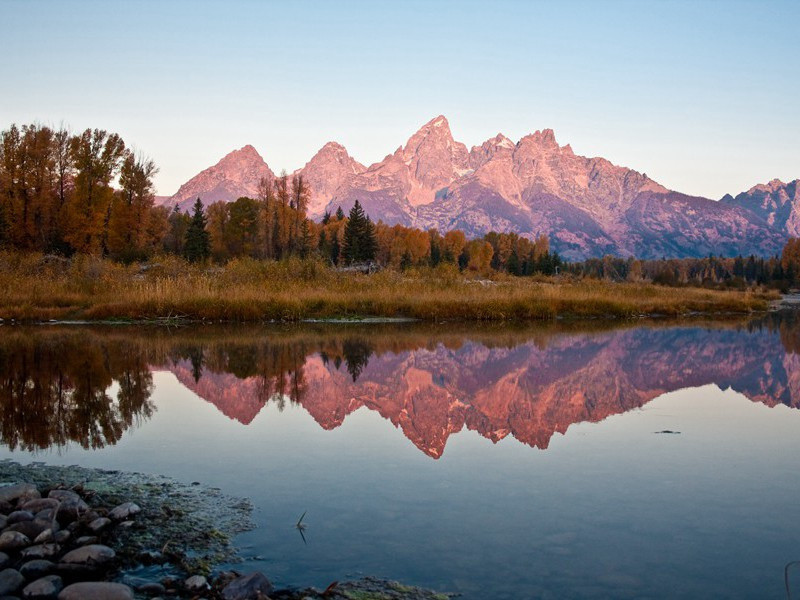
(96, 591)
(22, 492)
(35, 569)
(13, 540)
(46, 588)
(10, 581)
(124, 511)
(196, 583)
(91, 555)
(247, 587)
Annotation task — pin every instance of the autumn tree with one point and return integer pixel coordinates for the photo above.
(131, 220)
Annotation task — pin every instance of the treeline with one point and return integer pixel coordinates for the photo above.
(779, 272)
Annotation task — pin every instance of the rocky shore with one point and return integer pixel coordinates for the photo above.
(68, 533)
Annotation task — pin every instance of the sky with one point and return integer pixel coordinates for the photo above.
(704, 97)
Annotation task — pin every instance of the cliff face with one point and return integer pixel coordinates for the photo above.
(527, 391)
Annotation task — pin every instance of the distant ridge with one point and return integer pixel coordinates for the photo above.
(588, 207)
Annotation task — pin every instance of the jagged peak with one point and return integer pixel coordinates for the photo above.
(247, 152)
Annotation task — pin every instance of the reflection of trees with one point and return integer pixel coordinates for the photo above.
(54, 389)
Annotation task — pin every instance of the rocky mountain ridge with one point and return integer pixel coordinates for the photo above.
(587, 206)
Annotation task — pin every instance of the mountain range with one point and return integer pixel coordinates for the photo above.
(588, 207)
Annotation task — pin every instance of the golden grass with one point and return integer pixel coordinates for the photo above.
(33, 288)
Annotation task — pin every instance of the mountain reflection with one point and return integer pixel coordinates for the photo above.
(430, 382)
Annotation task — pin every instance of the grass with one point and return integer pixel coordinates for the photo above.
(35, 288)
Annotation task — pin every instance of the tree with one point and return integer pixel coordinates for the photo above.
(196, 247)
(359, 237)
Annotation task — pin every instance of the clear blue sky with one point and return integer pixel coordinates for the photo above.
(702, 96)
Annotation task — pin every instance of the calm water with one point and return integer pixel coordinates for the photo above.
(494, 462)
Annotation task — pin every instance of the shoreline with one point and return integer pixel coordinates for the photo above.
(139, 536)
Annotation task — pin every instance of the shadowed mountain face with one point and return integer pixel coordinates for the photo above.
(527, 389)
(586, 206)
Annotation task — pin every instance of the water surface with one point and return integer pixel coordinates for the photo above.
(491, 461)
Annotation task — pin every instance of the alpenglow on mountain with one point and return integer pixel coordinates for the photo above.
(588, 207)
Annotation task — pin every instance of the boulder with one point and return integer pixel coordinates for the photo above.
(92, 590)
(248, 587)
(99, 524)
(46, 588)
(39, 504)
(19, 515)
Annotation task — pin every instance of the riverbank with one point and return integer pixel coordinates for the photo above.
(71, 532)
(35, 288)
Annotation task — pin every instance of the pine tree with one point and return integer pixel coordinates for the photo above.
(197, 247)
(360, 244)
(339, 214)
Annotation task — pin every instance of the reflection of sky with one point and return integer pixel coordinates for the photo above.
(609, 509)
(702, 96)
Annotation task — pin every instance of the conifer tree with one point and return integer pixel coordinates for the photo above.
(196, 247)
(359, 237)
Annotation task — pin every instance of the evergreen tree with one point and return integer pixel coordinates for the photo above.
(339, 214)
(360, 244)
(196, 246)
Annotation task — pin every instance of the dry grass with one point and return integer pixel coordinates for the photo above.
(33, 288)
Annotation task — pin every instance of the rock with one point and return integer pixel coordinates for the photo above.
(3, 521)
(30, 529)
(71, 509)
(92, 590)
(62, 495)
(90, 556)
(10, 581)
(151, 588)
(99, 524)
(18, 516)
(41, 551)
(124, 511)
(40, 504)
(21, 492)
(35, 569)
(46, 514)
(44, 537)
(247, 587)
(86, 540)
(4, 560)
(61, 536)
(46, 588)
(13, 540)
(196, 583)
(126, 524)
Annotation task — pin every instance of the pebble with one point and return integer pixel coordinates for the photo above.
(96, 591)
(46, 588)
(247, 587)
(13, 540)
(10, 581)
